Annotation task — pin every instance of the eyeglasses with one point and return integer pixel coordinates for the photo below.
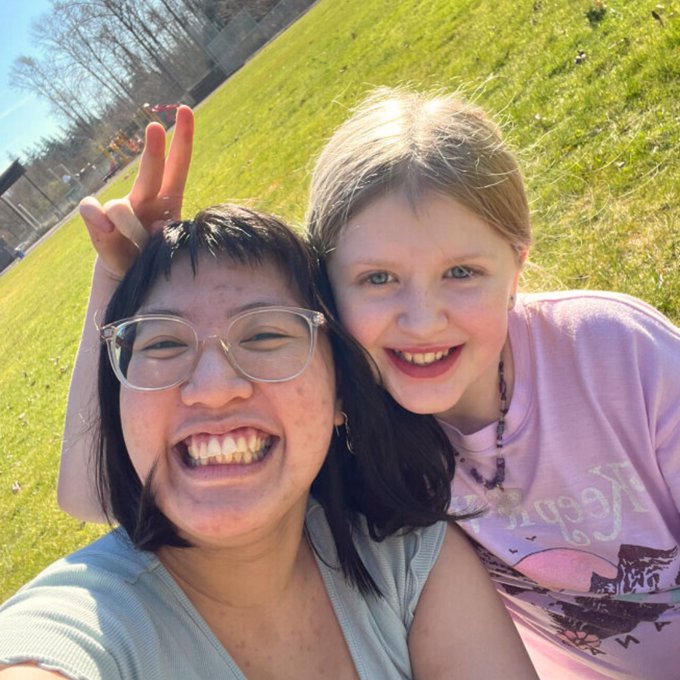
(158, 351)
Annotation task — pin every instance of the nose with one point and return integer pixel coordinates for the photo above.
(423, 313)
(214, 382)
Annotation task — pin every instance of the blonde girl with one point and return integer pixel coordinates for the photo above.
(563, 407)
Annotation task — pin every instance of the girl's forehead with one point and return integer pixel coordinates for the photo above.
(398, 212)
(438, 226)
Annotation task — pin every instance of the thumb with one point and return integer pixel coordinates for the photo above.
(116, 252)
(94, 216)
(120, 213)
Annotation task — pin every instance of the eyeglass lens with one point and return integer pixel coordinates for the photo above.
(264, 345)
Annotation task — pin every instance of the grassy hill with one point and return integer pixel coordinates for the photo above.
(589, 95)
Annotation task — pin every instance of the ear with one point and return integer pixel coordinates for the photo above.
(522, 256)
(339, 416)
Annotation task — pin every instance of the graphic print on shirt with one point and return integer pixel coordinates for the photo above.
(587, 563)
(617, 600)
(587, 515)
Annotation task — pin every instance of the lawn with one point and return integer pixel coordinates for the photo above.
(589, 95)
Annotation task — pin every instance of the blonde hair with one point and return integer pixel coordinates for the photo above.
(403, 141)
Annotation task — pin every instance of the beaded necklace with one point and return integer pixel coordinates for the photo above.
(496, 482)
(504, 499)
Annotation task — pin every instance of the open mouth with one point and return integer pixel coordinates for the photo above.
(423, 359)
(243, 447)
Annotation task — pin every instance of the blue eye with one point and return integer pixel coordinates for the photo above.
(460, 272)
(379, 278)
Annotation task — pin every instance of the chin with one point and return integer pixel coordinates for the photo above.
(422, 407)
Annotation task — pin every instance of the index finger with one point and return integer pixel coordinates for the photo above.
(179, 156)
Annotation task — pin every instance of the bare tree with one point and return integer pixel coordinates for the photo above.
(127, 15)
(72, 32)
(185, 25)
(46, 80)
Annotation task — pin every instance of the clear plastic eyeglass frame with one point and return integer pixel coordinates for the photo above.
(112, 333)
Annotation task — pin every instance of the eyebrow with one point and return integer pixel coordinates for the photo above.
(388, 262)
(260, 304)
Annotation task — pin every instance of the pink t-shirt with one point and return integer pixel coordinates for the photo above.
(588, 562)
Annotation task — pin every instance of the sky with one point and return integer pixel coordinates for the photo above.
(24, 119)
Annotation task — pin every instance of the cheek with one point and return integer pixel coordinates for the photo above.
(487, 325)
(479, 305)
(359, 317)
(364, 321)
(139, 420)
(487, 316)
(308, 428)
(315, 411)
(314, 401)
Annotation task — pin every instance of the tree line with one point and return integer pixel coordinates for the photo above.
(101, 66)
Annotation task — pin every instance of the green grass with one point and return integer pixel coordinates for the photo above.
(599, 143)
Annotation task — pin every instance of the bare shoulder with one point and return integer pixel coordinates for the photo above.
(459, 618)
(459, 570)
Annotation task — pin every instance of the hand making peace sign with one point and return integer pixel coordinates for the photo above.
(121, 226)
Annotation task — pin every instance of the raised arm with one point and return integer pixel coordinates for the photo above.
(461, 628)
(117, 231)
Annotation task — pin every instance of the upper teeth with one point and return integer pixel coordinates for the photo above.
(227, 448)
(423, 359)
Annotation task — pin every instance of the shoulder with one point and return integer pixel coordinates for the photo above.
(111, 558)
(102, 577)
(457, 603)
(614, 348)
(575, 305)
(595, 312)
(413, 549)
(399, 564)
(75, 605)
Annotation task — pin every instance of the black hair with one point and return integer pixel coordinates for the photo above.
(399, 472)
